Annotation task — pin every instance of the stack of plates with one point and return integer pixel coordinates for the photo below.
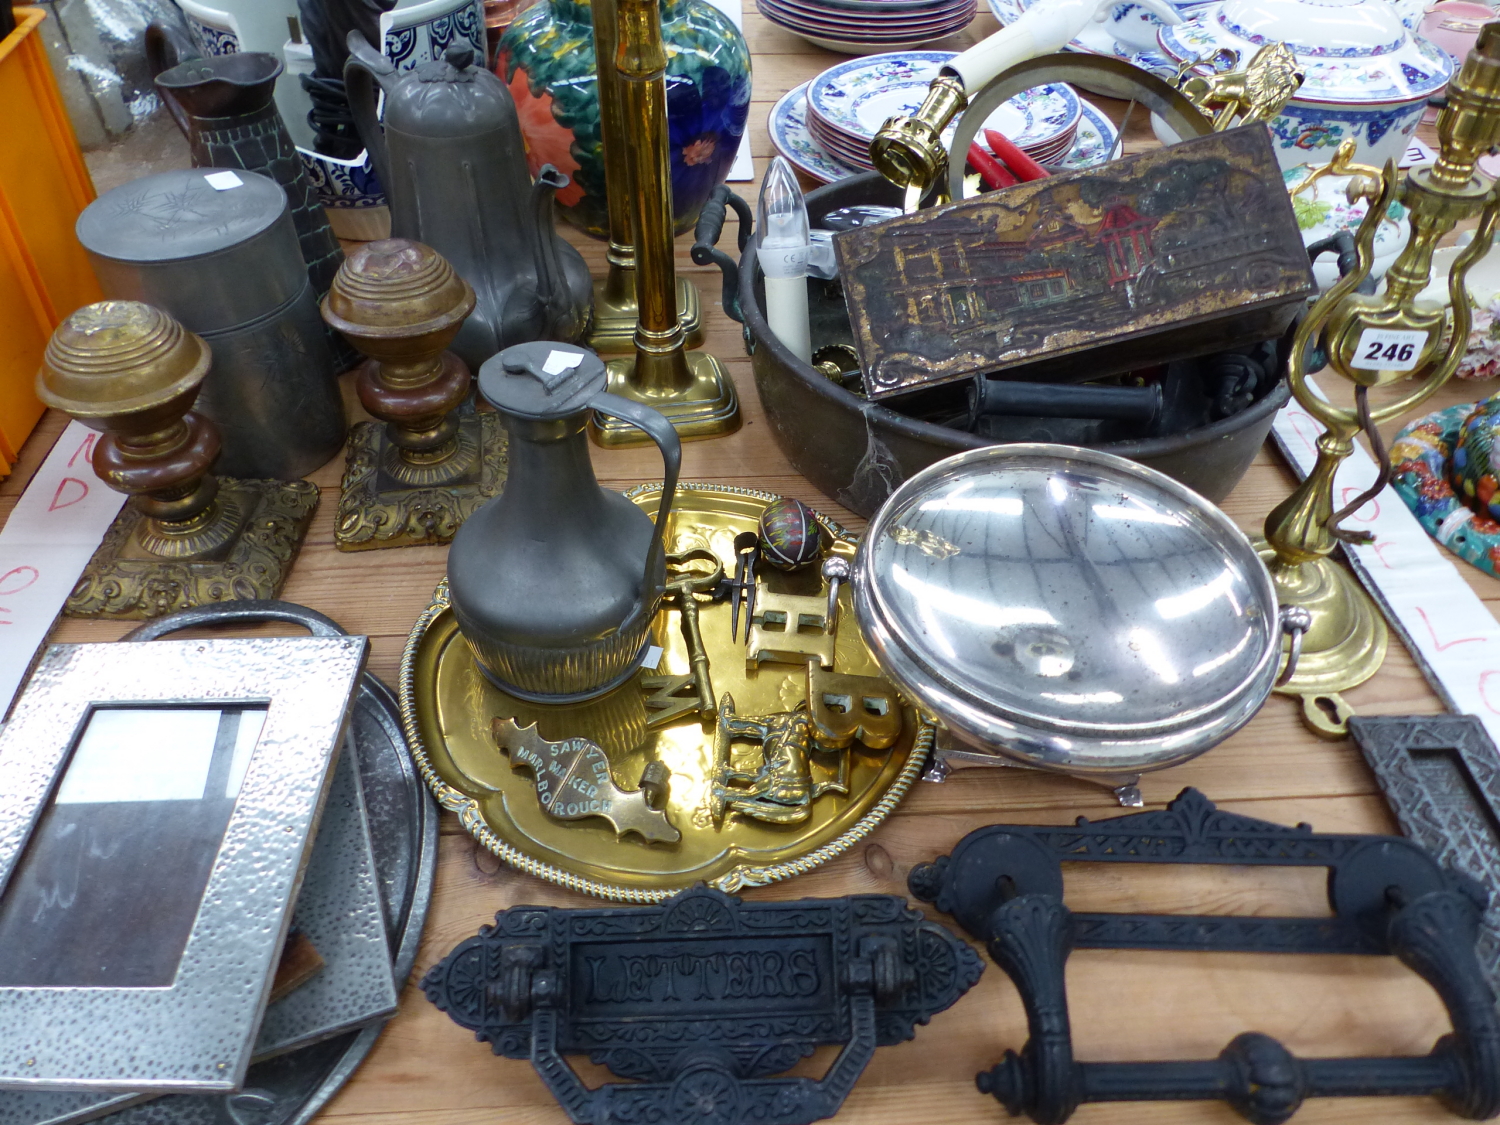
(847, 104)
(790, 121)
(861, 27)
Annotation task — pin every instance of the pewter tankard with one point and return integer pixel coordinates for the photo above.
(555, 582)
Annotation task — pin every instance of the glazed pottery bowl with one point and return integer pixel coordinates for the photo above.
(1367, 75)
(547, 58)
(857, 451)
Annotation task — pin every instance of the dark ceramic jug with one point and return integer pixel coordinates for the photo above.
(224, 106)
(453, 163)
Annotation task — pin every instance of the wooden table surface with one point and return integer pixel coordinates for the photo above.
(1125, 1005)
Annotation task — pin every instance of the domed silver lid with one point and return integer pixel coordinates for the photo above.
(1068, 608)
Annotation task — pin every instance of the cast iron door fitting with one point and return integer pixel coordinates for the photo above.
(702, 999)
(1003, 884)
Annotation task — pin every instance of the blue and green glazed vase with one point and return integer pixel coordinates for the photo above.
(547, 59)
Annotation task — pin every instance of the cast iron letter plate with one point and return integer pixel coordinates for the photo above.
(702, 999)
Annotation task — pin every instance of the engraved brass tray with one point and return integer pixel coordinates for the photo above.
(447, 707)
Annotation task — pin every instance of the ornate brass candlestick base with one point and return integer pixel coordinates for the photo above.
(186, 538)
(693, 390)
(415, 479)
(1377, 341)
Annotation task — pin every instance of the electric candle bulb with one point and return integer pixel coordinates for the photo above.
(782, 248)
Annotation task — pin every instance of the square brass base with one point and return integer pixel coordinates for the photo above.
(708, 408)
(378, 510)
(613, 332)
(124, 581)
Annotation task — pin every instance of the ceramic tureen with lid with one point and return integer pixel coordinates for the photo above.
(1367, 75)
(1068, 609)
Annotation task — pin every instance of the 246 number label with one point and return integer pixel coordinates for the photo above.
(1388, 349)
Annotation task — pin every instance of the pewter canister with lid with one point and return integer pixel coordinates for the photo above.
(1068, 609)
(217, 249)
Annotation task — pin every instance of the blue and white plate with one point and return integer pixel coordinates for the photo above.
(787, 124)
(854, 99)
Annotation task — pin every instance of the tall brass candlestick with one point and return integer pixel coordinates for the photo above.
(1377, 341)
(615, 306)
(693, 390)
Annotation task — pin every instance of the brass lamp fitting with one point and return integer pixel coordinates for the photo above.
(131, 372)
(1374, 341)
(909, 150)
(692, 389)
(415, 479)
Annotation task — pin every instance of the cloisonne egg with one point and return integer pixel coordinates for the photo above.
(789, 534)
(1476, 460)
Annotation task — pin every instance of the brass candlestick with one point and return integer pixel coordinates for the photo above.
(186, 538)
(693, 390)
(1376, 341)
(615, 307)
(416, 478)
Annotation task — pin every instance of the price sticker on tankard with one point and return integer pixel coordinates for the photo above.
(1388, 349)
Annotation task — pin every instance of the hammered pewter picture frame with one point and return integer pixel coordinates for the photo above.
(158, 754)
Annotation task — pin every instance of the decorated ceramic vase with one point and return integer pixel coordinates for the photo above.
(1367, 75)
(547, 59)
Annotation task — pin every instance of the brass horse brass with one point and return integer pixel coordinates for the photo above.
(573, 780)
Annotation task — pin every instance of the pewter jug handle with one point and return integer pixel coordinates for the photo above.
(364, 68)
(661, 432)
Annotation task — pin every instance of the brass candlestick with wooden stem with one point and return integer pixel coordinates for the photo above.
(186, 538)
(615, 307)
(693, 390)
(1376, 341)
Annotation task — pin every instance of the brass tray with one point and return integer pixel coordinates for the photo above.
(447, 706)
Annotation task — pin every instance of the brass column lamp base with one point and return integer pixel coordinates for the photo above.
(708, 408)
(412, 478)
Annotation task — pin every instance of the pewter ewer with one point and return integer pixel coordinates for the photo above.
(556, 581)
(453, 164)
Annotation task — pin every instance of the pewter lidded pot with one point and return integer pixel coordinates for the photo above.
(453, 164)
(555, 582)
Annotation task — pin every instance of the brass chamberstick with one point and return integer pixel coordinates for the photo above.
(448, 707)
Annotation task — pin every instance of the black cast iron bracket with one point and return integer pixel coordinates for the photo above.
(703, 999)
(1003, 884)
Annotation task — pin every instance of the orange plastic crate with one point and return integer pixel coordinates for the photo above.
(44, 273)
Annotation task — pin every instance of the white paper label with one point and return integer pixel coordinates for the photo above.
(558, 362)
(783, 261)
(1388, 349)
(223, 181)
(653, 658)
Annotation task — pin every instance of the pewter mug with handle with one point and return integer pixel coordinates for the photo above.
(555, 582)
